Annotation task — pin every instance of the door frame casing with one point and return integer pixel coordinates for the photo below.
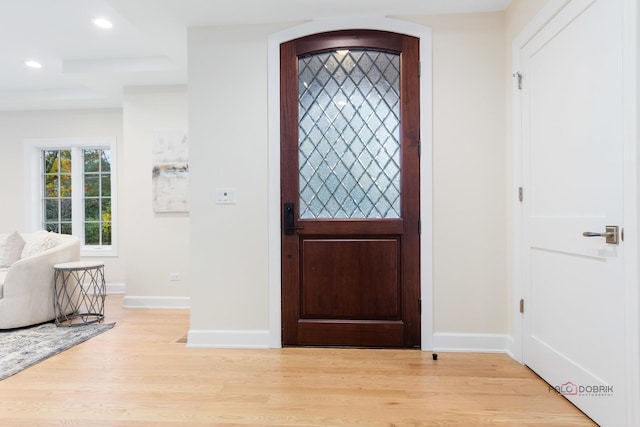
(426, 186)
(630, 195)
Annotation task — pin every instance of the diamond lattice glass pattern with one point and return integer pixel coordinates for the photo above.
(349, 135)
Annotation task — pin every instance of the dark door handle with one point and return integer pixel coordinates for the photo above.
(289, 220)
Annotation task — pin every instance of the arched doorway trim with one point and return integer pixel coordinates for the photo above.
(426, 163)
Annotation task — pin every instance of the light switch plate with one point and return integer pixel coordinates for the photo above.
(225, 196)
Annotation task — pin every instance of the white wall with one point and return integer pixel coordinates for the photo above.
(228, 143)
(152, 244)
(15, 127)
(228, 135)
(638, 129)
(468, 173)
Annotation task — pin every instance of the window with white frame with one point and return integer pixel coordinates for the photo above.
(71, 183)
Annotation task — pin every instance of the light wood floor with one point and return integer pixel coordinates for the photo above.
(137, 374)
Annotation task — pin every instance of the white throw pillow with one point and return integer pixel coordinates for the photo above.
(11, 249)
(38, 242)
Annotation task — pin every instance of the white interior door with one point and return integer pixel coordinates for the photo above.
(572, 129)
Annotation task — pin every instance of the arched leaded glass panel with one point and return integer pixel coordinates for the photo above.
(349, 134)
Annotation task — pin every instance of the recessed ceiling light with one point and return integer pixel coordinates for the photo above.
(103, 23)
(32, 64)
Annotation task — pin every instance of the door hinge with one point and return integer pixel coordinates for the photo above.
(419, 227)
(520, 194)
(522, 306)
(419, 68)
(420, 306)
(518, 76)
(419, 148)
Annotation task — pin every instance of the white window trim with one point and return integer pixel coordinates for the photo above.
(33, 187)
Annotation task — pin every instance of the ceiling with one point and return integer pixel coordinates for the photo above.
(86, 67)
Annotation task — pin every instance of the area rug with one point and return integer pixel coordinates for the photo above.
(21, 348)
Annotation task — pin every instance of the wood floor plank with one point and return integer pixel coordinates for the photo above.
(139, 374)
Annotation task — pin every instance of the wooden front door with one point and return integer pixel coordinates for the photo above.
(350, 190)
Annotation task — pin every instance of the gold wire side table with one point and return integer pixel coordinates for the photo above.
(80, 291)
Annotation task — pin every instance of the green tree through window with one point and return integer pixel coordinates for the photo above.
(57, 191)
(96, 195)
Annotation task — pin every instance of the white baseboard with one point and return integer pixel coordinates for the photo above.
(157, 302)
(115, 288)
(512, 351)
(228, 339)
(472, 343)
(455, 342)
